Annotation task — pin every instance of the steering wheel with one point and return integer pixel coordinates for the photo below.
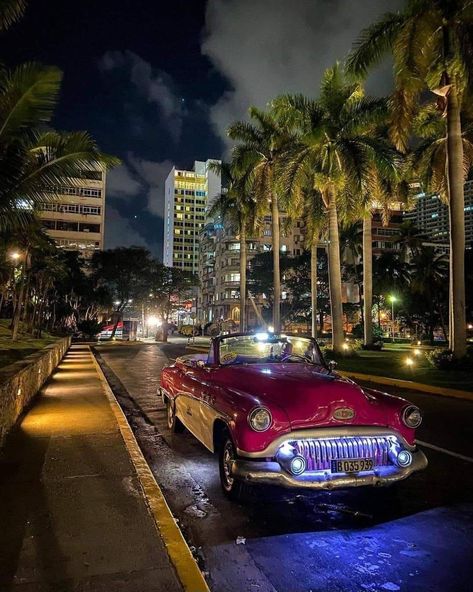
(297, 356)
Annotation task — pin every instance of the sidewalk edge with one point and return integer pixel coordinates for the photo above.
(179, 553)
(413, 386)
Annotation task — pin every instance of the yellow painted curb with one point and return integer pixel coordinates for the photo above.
(408, 384)
(179, 553)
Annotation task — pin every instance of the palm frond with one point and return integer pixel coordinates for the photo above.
(28, 96)
(373, 43)
(10, 12)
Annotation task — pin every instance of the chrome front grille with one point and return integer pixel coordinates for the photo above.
(318, 452)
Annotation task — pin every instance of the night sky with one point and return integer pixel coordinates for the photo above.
(157, 83)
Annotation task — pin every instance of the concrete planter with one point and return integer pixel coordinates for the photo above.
(19, 382)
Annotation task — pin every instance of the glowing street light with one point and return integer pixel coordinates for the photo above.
(15, 255)
(409, 362)
(392, 299)
(153, 321)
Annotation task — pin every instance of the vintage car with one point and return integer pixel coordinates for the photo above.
(276, 413)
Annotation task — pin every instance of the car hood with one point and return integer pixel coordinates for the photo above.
(311, 396)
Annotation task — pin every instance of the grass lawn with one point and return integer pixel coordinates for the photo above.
(391, 363)
(11, 351)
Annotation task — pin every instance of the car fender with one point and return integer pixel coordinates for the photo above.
(235, 406)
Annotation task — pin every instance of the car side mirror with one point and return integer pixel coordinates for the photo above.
(332, 365)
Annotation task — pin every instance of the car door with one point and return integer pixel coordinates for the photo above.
(188, 400)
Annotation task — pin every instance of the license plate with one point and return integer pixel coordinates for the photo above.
(351, 465)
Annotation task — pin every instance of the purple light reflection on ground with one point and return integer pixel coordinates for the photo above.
(429, 551)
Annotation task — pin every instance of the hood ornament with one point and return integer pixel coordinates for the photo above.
(343, 413)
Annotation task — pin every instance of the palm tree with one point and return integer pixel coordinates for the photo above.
(34, 161)
(10, 12)
(351, 243)
(391, 190)
(429, 273)
(429, 161)
(410, 239)
(335, 144)
(432, 46)
(238, 208)
(257, 152)
(308, 207)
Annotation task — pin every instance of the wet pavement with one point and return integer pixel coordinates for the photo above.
(414, 537)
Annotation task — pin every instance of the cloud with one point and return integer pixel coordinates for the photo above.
(122, 184)
(152, 175)
(155, 86)
(271, 47)
(119, 233)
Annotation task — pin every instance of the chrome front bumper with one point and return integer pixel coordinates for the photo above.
(321, 445)
(271, 473)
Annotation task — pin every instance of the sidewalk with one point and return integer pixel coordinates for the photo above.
(73, 516)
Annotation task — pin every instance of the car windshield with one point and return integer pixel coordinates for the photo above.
(267, 348)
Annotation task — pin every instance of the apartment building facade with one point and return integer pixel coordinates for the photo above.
(187, 196)
(219, 268)
(75, 219)
(430, 216)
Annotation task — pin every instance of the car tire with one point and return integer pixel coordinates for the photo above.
(231, 487)
(173, 422)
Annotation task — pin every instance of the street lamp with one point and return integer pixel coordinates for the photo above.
(392, 299)
(15, 255)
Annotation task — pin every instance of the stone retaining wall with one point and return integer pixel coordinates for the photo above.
(19, 382)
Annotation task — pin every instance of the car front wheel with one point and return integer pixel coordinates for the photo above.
(231, 487)
(174, 424)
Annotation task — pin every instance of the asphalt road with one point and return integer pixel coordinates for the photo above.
(416, 537)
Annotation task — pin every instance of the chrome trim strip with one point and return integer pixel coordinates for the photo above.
(271, 473)
(325, 433)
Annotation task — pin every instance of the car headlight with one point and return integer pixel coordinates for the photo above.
(260, 419)
(412, 417)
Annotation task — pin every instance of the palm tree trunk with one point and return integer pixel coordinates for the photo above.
(457, 225)
(243, 259)
(367, 280)
(15, 324)
(313, 286)
(334, 274)
(17, 314)
(276, 267)
(115, 326)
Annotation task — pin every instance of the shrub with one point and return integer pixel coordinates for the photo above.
(329, 354)
(445, 360)
(375, 346)
(359, 332)
(90, 328)
(188, 330)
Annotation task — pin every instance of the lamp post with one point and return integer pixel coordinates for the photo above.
(392, 299)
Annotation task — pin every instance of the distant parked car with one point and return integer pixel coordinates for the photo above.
(276, 413)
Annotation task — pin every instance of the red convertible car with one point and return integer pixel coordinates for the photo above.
(276, 413)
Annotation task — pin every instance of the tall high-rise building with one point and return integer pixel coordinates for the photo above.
(430, 216)
(75, 220)
(187, 196)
